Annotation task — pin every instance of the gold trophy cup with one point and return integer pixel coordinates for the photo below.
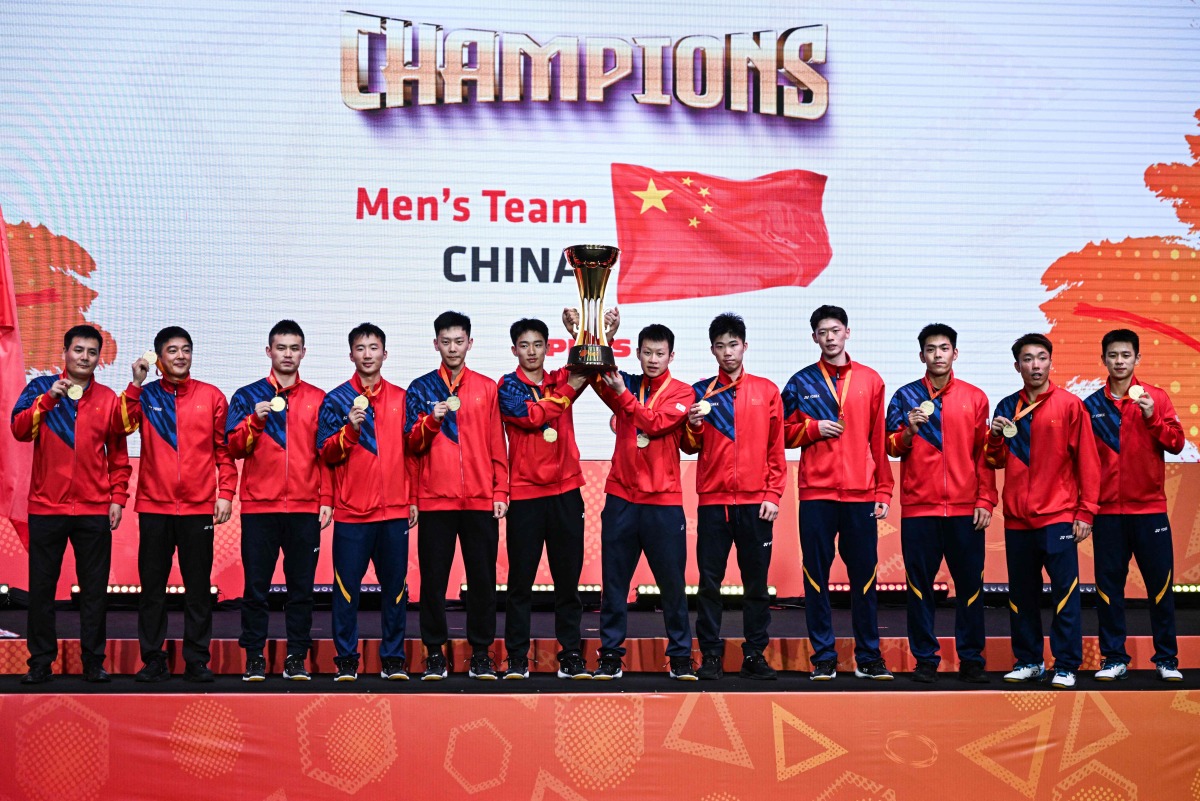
(593, 265)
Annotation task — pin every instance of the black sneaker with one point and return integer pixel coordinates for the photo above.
(294, 668)
(572, 666)
(518, 668)
(347, 668)
(972, 673)
(96, 674)
(710, 667)
(393, 670)
(876, 670)
(152, 671)
(754, 666)
(609, 668)
(926, 673)
(825, 670)
(682, 668)
(256, 668)
(482, 667)
(38, 674)
(435, 666)
(198, 672)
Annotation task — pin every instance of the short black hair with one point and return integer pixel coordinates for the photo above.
(285, 328)
(82, 332)
(167, 334)
(524, 326)
(1031, 339)
(938, 330)
(1120, 335)
(451, 319)
(367, 330)
(727, 323)
(828, 312)
(657, 332)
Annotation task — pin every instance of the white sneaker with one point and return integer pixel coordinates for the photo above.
(1169, 671)
(1063, 680)
(1030, 672)
(1112, 670)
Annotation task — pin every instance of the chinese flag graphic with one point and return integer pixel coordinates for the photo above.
(691, 235)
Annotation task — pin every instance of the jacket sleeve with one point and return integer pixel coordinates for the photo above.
(1164, 425)
(119, 469)
(242, 426)
(692, 441)
(776, 455)
(227, 474)
(129, 408)
(664, 418)
(520, 410)
(897, 424)
(799, 430)
(995, 448)
(884, 481)
(27, 414)
(499, 455)
(420, 427)
(335, 438)
(986, 494)
(1087, 463)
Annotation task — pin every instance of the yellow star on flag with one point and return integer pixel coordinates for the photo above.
(704, 191)
(707, 209)
(694, 222)
(687, 181)
(652, 197)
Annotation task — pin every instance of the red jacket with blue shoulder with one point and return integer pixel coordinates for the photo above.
(657, 409)
(539, 468)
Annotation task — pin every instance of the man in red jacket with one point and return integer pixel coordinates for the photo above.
(1042, 438)
(185, 488)
(1135, 424)
(835, 413)
(287, 497)
(77, 493)
(736, 425)
(547, 505)
(644, 509)
(453, 426)
(361, 434)
(938, 427)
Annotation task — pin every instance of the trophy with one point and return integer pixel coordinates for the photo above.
(592, 264)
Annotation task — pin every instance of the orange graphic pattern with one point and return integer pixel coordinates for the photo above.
(1148, 284)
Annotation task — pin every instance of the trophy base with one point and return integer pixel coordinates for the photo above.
(591, 359)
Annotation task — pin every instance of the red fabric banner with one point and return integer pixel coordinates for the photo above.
(16, 458)
(691, 235)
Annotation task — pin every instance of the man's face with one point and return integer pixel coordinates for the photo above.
(831, 336)
(176, 358)
(453, 344)
(1034, 365)
(729, 349)
(368, 355)
(655, 357)
(530, 351)
(938, 356)
(1119, 359)
(80, 359)
(285, 352)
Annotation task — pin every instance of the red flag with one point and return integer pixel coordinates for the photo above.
(16, 458)
(691, 235)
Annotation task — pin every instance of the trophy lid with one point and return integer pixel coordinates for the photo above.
(591, 255)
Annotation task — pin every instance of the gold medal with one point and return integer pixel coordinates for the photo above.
(151, 357)
(927, 407)
(643, 441)
(1136, 391)
(278, 404)
(705, 407)
(453, 403)
(75, 392)
(361, 402)
(550, 435)
(1010, 430)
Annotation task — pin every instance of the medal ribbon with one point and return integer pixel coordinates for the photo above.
(281, 390)
(453, 387)
(1019, 414)
(708, 393)
(642, 395)
(537, 396)
(841, 401)
(935, 393)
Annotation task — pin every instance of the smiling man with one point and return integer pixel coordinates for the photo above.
(186, 483)
(1042, 438)
(77, 492)
(1135, 425)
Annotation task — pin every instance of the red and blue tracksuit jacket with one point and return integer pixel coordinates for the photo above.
(80, 462)
(740, 442)
(1131, 450)
(647, 475)
(183, 447)
(537, 468)
(1051, 468)
(281, 471)
(854, 466)
(372, 468)
(462, 464)
(943, 472)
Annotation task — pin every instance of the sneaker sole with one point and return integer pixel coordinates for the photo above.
(346, 678)
(298, 677)
(515, 676)
(575, 677)
(822, 678)
(433, 677)
(1170, 678)
(482, 677)
(1062, 686)
(682, 678)
(394, 676)
(1122, 677)
(858, 675)
(254, 678)
(606, 677)
(1022, 681)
